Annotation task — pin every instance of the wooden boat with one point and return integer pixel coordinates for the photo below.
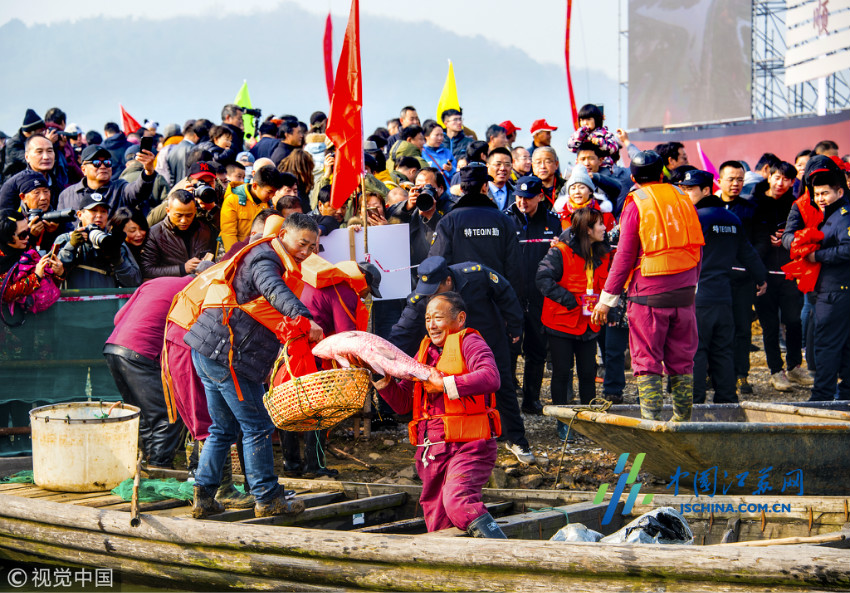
(369, 537)
(733, 438)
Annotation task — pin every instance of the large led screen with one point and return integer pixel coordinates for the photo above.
(689, 61)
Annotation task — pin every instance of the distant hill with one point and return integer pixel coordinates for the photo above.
(174, 69)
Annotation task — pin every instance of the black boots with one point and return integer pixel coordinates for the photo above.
(205, 503)
(486, 526)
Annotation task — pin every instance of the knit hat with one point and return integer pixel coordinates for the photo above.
(32, 122)
(580, 175)
(171, 130)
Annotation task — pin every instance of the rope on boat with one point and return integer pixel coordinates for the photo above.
(597, 404)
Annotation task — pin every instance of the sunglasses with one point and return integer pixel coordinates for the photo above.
(97, 163)
(23, 235)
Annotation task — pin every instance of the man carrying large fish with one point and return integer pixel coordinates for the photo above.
(455, 422)
(234, 341)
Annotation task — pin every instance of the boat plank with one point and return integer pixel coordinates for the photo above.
(12, 486)
(538, 525)
(545, 566)
(146, 507)
(99, 501)
(344, 509)
(35, 552)
(299, 567)
(417, 524)
(311, 499)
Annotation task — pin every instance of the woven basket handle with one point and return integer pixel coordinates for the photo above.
(285, 357)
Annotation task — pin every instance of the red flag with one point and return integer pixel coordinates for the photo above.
(128, 122)
(329, 60)
(345, 123)
(569, 75)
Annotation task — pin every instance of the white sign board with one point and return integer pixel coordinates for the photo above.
(818, 39)
(389, 250)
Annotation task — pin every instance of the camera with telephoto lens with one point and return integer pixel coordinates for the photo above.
(205, 193)
(57, 216)
(99, 238)
(427, 198)
(252, 112)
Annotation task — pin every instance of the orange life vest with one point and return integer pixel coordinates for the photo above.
(577, 280)
(669, 230)
(469, 418)
(319, 273)
(213, 289)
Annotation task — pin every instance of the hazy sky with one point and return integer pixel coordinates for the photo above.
(537, 27)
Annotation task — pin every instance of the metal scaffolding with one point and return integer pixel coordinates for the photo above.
(771, 98)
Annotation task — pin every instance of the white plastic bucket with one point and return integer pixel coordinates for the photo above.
(84, 446)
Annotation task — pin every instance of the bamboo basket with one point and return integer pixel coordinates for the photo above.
(317, 401)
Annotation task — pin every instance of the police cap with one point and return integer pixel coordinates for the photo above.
(697, 177)
(528, 186)
(432, 271)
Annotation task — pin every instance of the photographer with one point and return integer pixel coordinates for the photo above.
(92, 257)
(201, 182)
(177, 245)
(45, 224)
(421, 213)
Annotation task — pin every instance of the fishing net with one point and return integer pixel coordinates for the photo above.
(156, 490)
(22, 477)
(317, 401)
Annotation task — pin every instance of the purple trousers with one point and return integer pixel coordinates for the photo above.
(452, 481)
(665, 335)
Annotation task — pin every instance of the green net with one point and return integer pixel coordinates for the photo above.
(22, 477)
(155, 490)
(56, 356)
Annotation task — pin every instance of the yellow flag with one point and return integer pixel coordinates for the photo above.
(243, 99)
(448, 98)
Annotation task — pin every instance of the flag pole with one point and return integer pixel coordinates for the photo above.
(364, 214)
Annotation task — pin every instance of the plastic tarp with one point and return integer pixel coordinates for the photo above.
(56, 356)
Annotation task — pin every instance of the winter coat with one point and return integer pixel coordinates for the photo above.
(259, 274)
(165, 250)
(118, 193)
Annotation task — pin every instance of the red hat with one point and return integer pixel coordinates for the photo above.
(509, 126)
(541, 125)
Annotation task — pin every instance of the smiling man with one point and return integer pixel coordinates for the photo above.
(499, 168)
(97, 171)
(454, 419)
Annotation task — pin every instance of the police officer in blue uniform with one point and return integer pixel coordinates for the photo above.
(534, 222)
(476, 230)
(832, 308)
(493, 310)
(725, 244)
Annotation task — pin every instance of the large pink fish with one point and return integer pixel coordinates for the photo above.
(375, 351)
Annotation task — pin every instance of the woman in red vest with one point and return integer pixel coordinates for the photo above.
(455, 422)
(571, 276)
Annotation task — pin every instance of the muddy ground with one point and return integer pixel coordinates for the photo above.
(386, 456)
